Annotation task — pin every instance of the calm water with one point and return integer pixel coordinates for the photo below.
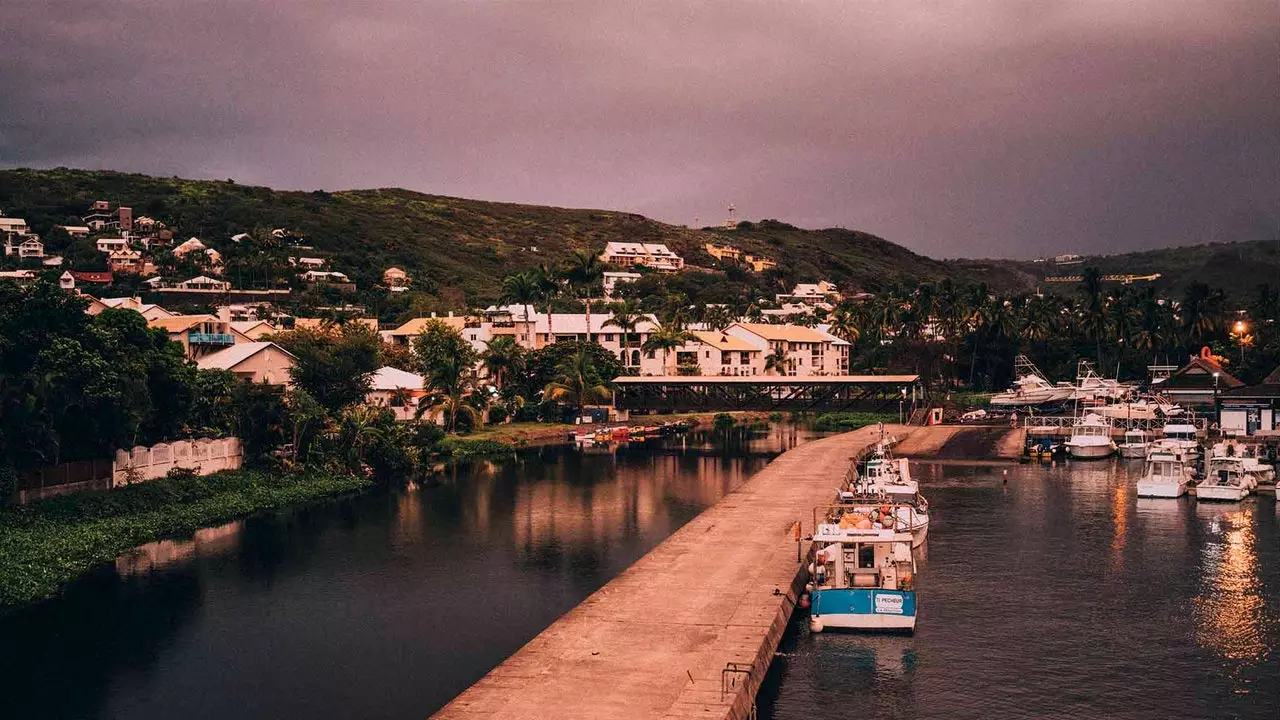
(386, 605)
(1062, 595)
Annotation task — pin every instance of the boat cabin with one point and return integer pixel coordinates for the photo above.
(1180, 432)
(851, 558)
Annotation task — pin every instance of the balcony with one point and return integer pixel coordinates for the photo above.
(201, 338)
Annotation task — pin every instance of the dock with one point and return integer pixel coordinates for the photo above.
(690, 629)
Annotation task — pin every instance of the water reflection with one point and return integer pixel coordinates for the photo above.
(1230, 610)
(382, 605)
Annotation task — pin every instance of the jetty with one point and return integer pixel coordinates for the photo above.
(690, 629)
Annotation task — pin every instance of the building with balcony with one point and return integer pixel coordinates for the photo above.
(28, 248)
(721, 251)
(204, 283)
(717, 353)
(125, 261)
(109, 245)
(812, 293)
(13, 227)
(611, 280)
(199, 335)
(652, 255)
(395, 278)
(803, 351)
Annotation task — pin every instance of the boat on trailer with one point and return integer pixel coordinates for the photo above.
(862, 574)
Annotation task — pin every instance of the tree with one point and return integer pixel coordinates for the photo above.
(578, 381)
(502, 357)
(1094, 310)
(667, 336)
(448, 361)
(584, 272)
(1203, 312)
(776, 361)
(625, 316)
(524, 288)
(334, 365)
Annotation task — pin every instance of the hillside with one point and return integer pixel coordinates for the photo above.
(451, 246)
(1238, 268)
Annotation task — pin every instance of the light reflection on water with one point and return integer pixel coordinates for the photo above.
(1060, 594)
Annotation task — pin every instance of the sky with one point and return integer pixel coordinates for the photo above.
(978, 128)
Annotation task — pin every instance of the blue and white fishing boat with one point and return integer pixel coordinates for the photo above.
(863, 572)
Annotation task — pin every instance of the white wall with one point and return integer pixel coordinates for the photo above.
(204, 456)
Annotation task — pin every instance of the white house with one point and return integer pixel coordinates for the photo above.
(812, 293)
(654, 255)
(31, 247)
(718, 353)
(325, 276)
(396, 390)
(611, 280)
(109, 245)
(204, 283)
(804, 351)
(13, 226)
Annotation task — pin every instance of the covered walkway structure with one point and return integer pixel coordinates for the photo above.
(701, 393)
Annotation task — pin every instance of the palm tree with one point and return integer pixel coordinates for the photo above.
(1094, 309)
(502, 356)
(776, 361)
(666, 336)
(845, 323)
(578, 380)
(451, 387)
(625, 316)
(584, 271)
(548, 280)
(523, 288)
(1202, 311)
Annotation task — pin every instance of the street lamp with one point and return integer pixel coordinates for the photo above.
(1216, 410)
(902, 404)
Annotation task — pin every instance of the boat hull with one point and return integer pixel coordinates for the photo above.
(1221, 493)
(865, 608)
(1089, 452)
(1133, 451)
(1161, 488)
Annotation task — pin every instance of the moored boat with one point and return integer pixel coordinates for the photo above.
(1225, 479)
(862, 572)
(1181, 435)
(1165, 476)
(1091, 438)
(1134, 444)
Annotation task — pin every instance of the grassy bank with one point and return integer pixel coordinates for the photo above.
(852, 420)
(49, 543)
(532, 433)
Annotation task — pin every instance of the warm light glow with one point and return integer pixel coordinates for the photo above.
(1241, 327)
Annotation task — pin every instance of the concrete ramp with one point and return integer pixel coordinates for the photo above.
(689, 630)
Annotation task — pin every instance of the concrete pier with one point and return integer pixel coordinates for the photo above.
(690, 629)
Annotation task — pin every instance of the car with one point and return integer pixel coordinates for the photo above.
(974, 416)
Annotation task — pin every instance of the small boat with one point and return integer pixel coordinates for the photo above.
(1260, 472)
(1226, 479)
(1091, 438)
(1166, 476)
(862, 572)
(1134, 444)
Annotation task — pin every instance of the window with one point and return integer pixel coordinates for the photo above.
(635, 357)
(866, 556)
(608, 337)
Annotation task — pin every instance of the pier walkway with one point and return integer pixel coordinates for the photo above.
(691, 628)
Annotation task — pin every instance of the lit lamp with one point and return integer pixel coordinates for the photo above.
(1216, 409)
(1238, 331)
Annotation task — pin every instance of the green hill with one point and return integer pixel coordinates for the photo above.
(449, 245)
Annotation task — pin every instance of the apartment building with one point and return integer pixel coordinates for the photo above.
(652, 255)
(805, 351)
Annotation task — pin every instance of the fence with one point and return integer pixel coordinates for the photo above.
(204, 456)
(65, 478)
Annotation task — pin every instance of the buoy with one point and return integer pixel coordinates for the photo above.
(804, 600)
(815, 624)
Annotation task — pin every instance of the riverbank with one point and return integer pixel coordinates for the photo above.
(521, 434)
(49, 543)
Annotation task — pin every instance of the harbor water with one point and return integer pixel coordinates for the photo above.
(383, 605)
(1060, 594)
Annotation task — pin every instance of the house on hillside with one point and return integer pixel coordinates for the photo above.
(93, 278)
(125, 261)
(253, 329)
(324, 276)
(100, 217)
(611, 280)
(1198, 384)
(199, 335)
(652, 255)
(721, 251)
(190, 245)
(77, 232)
(11, 228)
(108, 245)
(67, 281)
(31, 247)
(396, 279)
(204, 283)
(812, 293)
(258, 362)
(21, 278)
(150, 311)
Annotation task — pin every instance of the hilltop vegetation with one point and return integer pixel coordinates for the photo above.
(458, 250)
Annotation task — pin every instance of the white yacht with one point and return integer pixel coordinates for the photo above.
(1031, 388)
(1166, 475)
(1092, 386)
(1225, 479)
(1091, 438)
(1261, 472)
(1147, 408)
(1134, 444)
(1183, 436)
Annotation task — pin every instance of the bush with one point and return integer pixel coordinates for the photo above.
(462, 449)
(723, 421)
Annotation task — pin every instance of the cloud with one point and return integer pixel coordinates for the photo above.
(955, 128)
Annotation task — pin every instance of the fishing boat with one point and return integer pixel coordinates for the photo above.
(862, 571)
(1031, 388)
(1226, 480)
(1251, 462)
(1183, 436)
(885, 479)
(1091, 438)
(1165, 476)
(1134, 444)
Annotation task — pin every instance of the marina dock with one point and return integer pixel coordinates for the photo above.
(691, 628)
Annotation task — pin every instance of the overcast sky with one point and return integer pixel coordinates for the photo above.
(984, 128)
